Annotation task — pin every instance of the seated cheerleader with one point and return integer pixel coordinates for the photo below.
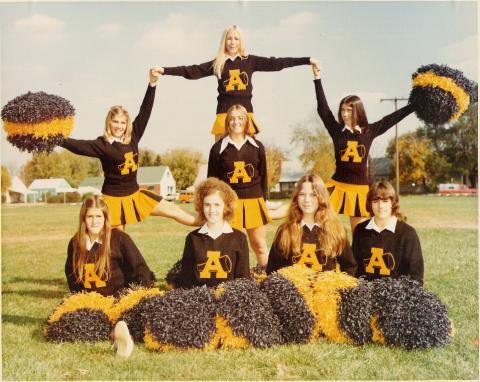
(313, 234)
(117, 150)
(239, 160)
(101, 259)
(215, 252)
(386, 246)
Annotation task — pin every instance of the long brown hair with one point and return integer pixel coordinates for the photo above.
(80, 253)
(114, 110)
(210, 186)
(384, 190)
(359, 117)
(331, 236)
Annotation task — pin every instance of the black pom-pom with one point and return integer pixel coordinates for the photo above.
(32, 144)
(355, 312)
(440, 94)
(248, 312)
(37, 107)
(408, 315)
(135, 319)
(81, 325)
(173, 275)
(296, 320)
(182, 318)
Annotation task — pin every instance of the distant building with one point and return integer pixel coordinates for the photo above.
(292, 171)
(158, 179)
(381, 169)
(52, 186)
(19, 193)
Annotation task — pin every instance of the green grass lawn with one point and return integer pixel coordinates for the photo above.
(34, 243)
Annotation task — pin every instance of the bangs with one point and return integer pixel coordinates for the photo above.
(384, 193)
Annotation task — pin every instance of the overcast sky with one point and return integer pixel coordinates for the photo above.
(98, 54)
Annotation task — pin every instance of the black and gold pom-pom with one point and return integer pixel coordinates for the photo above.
(181, 319)
(130, 309)
(173, 276)
(290, 296)
(245, 316)
(440, 94)
(407, 315)
(258, 273)
(37, 122)
(81, 317)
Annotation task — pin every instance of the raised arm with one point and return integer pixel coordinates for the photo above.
(141, 120)
(323, 109)
(274, 64)
(191, 72)
(390, 120)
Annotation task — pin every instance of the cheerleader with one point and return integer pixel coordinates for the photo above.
(239, 160)
(352, 137)
(386, 246)
(215, 252)
(313, 234)
(101, 259)
(234, 68)
(118, 152)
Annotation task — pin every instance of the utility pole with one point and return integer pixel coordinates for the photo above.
(397, 166)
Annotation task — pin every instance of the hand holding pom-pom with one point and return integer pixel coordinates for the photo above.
(37, 122)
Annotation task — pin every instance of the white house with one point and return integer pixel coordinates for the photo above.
(52, 186)
(18, 192)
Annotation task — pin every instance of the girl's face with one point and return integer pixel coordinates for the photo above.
(118, 125)
(94, 220)
(213, 206)
(232, 43)
(307, 199)
(347, 112)
(236, 123)
(382, 208)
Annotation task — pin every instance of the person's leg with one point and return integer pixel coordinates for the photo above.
(122, 340)
(280, 212)
(171, 210)
(354, 220)
(258, 241)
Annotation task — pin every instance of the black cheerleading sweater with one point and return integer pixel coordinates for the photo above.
(119, 161)
(208, 261)
(235, 84)
(127, 267)
(351, 149)
(277, 260)
(388, 254)
(245, 170)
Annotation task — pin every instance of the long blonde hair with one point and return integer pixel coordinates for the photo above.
(114, 110)
(331, 235)
(241, 109)
(219, 61)
(80, 253)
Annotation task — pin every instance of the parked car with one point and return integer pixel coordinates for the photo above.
(185, 197)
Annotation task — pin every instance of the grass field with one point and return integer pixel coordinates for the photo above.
(34, 242)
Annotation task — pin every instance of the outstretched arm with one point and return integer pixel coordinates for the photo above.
(390, 120)
(89, 148)
(191, 72)
(274, 64)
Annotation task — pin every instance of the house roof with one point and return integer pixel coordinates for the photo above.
(16, 185)
(52, 183)
(145, 175)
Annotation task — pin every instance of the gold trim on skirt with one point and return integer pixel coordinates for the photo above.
(250, 213)
(131, 209)
(218, 127)
(352, 197)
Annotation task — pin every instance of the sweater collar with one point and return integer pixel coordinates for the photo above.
(227, 140)
(89, 243)
(392, 224)
(356, 128)
(225, 229)
(310, 226)
(232, 58)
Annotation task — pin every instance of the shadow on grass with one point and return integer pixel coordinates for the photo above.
(57, 294)
(36, 281)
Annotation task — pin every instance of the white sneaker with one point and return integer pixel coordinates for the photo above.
(122, 340)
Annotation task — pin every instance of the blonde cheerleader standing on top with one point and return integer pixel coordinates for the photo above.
(239, 160)
(234, 68)
(117, 149)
